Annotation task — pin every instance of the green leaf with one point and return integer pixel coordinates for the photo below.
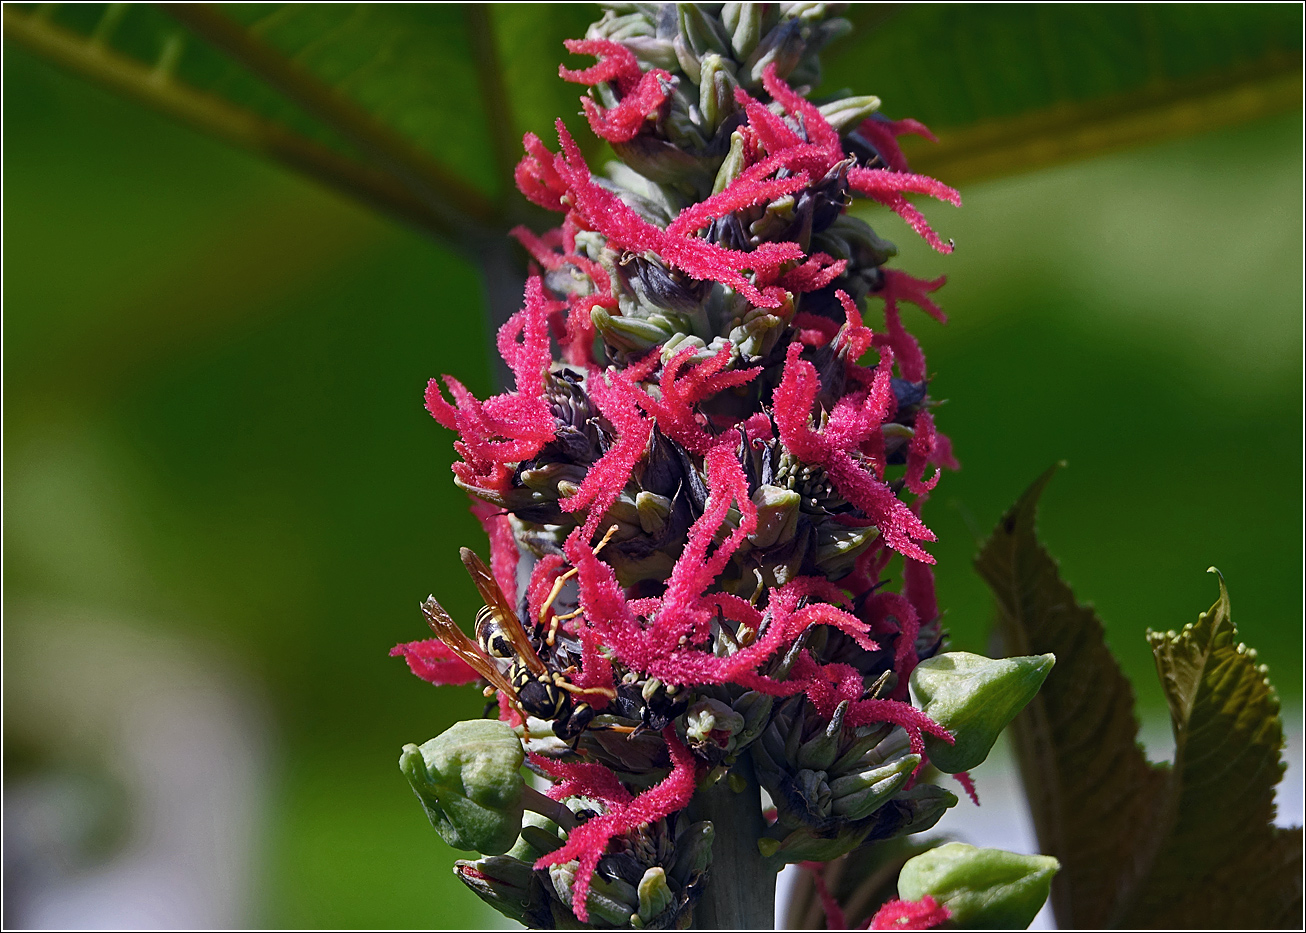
(406, 107)
(1222, 850)
(1142, 845)
(1013, 87)
(418, 109)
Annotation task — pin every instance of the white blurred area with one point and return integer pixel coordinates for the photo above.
(139, 798)
(1002, 820)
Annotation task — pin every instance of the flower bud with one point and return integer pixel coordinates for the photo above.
(821, 751)
(539, 837)
(716, 91)
(733, 164)
(693, 852)
(983, 889)
(510, 886)
(777, 515)
(857, 796)
(783, 45)
(703, 34)
(837, 547)
(974, 698)
(609, 899)
(632, 334)
(654, 895)
(711, 726)
(744, 20)
(469, 782)
(849, 111)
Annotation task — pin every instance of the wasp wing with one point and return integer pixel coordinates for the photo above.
(448, 632)
(504, 614)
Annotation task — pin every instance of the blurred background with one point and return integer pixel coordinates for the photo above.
(224, 500)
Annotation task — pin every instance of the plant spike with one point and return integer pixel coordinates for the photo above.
(696, 511)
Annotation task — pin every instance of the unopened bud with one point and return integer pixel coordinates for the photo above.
(777, 515)
(974, 698)
(703, 34)
(857, 796)
(821, 751)
(654, 895)
(469, 782)
(783, 45)
(711, 721)
(653, 511)
(716, 91)
(509, 886)
(745, 24)
(982, 888)
(733, 165)
(693, 852)
(850, 111)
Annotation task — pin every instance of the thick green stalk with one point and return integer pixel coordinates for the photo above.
(740, 894)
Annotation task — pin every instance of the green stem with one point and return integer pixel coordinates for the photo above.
(740, 891)
(553, 809)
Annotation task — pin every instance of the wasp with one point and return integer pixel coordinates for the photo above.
(504, 656)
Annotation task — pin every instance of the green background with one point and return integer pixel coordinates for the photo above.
(213, 375)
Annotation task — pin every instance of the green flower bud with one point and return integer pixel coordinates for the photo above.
(821, 751)
(693, 852)
(716, 91)
(777, 515)
(712, 723)
(756, 709)
(974, 698)
(545, 477)
(654, 895)
(983, 889)
(744, 20)
(703, 34)
(733, 165)
(837, 547)
(921, 808)
(612, 900)
(783, 45)
(632, 334)
(857, 796)
(469, 782)
(509, 886)
(848, 113)
(653, 511)
(808, 844)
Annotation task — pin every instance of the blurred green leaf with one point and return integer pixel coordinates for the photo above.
(1144, 845)
(417, 109)
(1013, 87)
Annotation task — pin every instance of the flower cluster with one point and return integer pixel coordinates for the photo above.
(699, 511)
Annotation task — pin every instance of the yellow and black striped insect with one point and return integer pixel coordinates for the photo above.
(504, 656)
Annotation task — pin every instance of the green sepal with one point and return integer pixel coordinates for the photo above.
(469, 782)
(974, 698)
(983, 889)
